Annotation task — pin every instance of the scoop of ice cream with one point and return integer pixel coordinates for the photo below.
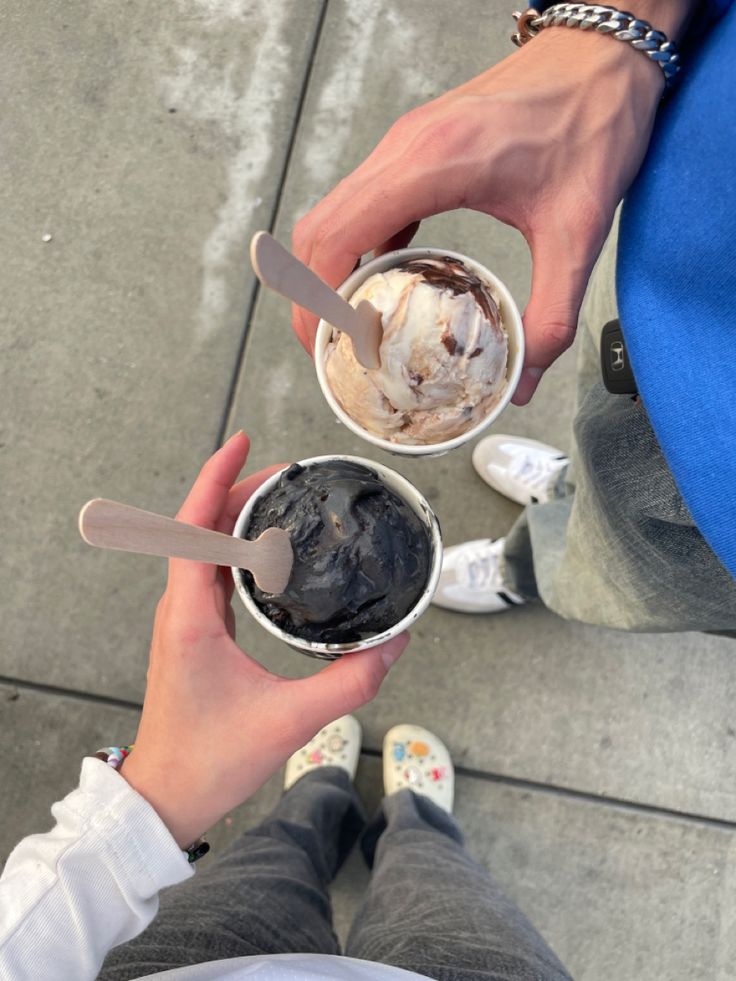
(361, 554)
(443, 354)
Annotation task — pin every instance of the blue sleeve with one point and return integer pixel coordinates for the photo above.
(713, 9)
(717, 8)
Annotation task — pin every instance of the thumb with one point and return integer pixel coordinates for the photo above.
(551, 316)
(347, 683)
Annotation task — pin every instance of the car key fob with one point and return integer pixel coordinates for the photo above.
(615, 365)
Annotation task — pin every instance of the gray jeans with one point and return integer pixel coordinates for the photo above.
(617, 546)
(429, 907)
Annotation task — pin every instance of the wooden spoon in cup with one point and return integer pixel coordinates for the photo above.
(108, 524)
(277, 268)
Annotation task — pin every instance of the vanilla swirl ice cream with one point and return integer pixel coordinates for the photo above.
(443, 354)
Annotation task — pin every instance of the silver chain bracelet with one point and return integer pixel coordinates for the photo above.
(606, 20)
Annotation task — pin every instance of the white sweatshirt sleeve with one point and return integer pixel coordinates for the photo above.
(91, 883)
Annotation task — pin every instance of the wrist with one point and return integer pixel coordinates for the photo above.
(669, 16)
(166, 789)
(623, 26)
(599, 60)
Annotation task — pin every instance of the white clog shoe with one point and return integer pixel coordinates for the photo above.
(415, 758)
(338, 744)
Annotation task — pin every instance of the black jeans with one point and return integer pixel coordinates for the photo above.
(429, 908)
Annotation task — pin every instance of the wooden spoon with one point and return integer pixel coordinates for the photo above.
(108, 524)
(277, 268)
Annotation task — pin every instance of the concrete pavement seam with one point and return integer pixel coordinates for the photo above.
(255, 293)
(83, 696)
(583, 796)
(519, 783)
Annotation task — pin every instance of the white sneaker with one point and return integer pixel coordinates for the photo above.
(415, 758)
(470, 581)
(519, 468)
(338, 744)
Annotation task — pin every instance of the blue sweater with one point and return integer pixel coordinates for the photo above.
(676, 283)
(676, 278)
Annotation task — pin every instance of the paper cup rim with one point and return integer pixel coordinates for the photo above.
(412, 497)
(512, 322)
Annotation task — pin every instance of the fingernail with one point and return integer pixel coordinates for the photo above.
(391, 654)
(535, 373)
(234, 436)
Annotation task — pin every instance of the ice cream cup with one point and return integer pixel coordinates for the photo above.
(511, 319)
(408, 493)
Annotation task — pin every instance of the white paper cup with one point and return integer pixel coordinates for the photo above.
(511, 319)
(411, 496)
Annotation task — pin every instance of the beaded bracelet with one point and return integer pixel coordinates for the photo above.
(606, 20)
(114, 756)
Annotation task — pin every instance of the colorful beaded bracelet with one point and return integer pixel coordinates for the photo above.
(114, 756)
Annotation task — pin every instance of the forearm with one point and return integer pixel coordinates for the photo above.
(91, 883)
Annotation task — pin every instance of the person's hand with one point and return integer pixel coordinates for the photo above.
(547, 141)
(216, 724)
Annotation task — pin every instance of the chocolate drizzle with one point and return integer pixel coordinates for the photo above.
(453, 275)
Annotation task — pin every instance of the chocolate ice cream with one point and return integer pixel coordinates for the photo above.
(361, 554)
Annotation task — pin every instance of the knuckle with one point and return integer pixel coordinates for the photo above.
(364, 686)
(324, 236)
(321, 234)
(443, 136)
(301, 236)
(210, 474)
(185, 634)
(317, 229)
(406, 124)
(557, 335)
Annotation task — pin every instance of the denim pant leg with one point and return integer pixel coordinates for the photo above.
(266, 894)
(431, 909)
(617, 547)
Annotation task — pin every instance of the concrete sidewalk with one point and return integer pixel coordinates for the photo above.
(149, 142)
